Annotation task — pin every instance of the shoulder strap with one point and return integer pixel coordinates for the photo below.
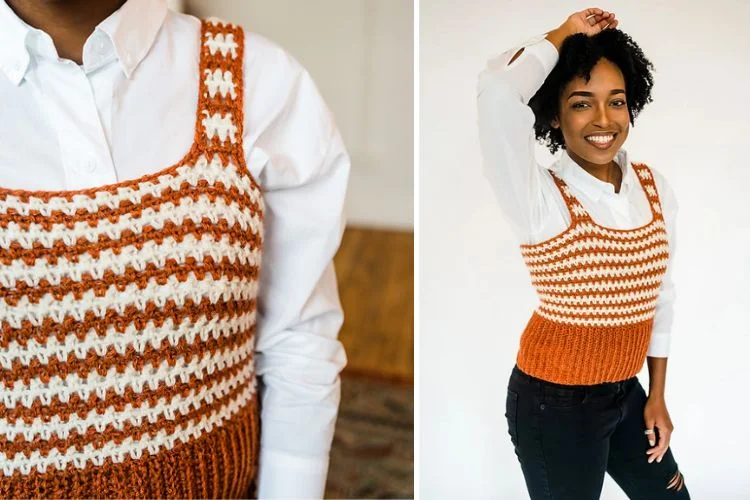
(646, 178)
(220, 113)
(576, 210)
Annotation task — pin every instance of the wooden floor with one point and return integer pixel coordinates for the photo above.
(375, 270)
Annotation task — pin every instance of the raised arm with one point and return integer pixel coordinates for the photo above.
(506, 128)
(505, 120)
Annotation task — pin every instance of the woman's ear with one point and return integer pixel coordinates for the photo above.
(554, 123)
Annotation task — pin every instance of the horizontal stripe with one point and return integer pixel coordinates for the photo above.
(175, 231)
(599, 273)
(117, 299)
(150, 219)
(118, 452)
(129, 257)
(133, 192)
(171, 422)
(135, 415)
(151, 355)
(53, 222)
(606, 322)
(225, 269)
(581, 260)
(642, 282)
(35, 353)
(27, 394)
(595, 244)
(599, 310)
(63, 411)
(625, 298)
(585, 228)
(591, 245)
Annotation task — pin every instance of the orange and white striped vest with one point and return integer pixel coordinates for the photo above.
(128, 316)
(598, 289)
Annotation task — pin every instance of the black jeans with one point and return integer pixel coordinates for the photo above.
(567, 436)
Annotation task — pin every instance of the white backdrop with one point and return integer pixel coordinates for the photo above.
(475, 295)
(361, 55)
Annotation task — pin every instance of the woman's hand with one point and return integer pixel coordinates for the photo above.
(655, 415)
(589, 21)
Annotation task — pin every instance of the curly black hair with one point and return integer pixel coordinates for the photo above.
(579, 54)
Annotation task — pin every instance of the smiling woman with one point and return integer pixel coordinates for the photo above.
(597, 235)
(596, 90)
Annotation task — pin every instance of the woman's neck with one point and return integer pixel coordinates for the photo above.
(609, 172)
(68, 22)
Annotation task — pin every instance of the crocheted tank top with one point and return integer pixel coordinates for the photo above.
(598, 289)
(128, 315)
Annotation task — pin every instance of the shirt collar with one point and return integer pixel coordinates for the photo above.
(14, 58)
(570, 172)
(126, 35)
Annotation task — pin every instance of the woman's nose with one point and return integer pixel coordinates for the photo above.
(602, 115)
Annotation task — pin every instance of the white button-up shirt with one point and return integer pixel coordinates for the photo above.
(130, 110)
(530, 199)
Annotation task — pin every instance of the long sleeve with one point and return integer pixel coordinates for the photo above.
(506, 130)
(664, 316)
(295, 150)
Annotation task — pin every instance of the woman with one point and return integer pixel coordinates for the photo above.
(597, 233)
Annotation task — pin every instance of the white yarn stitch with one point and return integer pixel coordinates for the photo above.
(238, 288)
(215, 328)
(221, 125)
(212, 171)
(220, 81)
(152, 443)
(223, 42)
(93, 383)
(246, 218)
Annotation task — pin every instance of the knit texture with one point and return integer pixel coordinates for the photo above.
(598, 289)
(128, 316)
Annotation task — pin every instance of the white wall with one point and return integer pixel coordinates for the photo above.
(360, 54)
(475, 296)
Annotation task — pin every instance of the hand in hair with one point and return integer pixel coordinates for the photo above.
(590, 21)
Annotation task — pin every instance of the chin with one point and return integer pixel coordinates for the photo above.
(599, 157)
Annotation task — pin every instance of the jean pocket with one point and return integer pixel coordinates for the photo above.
(511, 415)
(563, 397)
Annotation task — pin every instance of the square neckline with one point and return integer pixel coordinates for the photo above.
(576, 220)
(198, 148)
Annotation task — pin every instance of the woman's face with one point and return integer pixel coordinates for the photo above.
(594, 116)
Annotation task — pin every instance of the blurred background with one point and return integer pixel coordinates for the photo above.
(360, 54)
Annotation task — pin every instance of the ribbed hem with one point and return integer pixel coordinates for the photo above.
(220, 464)
(582, 355)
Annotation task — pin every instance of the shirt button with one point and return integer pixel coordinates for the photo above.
(89, 166)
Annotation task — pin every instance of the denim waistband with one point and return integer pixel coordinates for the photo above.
(604, 388)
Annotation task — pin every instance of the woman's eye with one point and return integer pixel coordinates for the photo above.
(581, 105)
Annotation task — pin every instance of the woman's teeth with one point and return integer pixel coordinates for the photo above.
(601, 141)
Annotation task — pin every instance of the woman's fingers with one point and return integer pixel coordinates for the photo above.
(591, 11)
(657, 453)
(602, 21)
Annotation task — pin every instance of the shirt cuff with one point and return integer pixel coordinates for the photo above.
(659, 346)
(282, 475)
